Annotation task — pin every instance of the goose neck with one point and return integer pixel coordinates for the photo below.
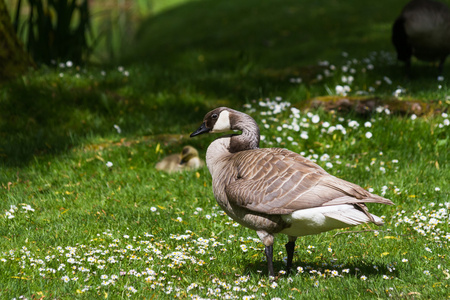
(250, 136)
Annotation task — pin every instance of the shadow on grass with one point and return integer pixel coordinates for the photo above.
(40, 118)
(249, 49)
(226, 35)
(355, 268)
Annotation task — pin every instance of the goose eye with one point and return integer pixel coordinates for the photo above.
(214, 116)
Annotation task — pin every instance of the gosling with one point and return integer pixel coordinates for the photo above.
(187, 160)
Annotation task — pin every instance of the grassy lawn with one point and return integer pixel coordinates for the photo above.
(73, 227)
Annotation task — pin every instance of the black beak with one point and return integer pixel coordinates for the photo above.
(200, 130)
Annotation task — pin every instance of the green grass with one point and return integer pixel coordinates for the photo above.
(126, 230)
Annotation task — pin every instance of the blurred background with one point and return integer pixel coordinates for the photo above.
(143, 64)
(191, 32)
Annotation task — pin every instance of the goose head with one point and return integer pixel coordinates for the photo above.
(217, 120)
(223, 119)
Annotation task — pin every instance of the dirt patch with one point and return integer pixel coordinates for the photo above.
(366, 106)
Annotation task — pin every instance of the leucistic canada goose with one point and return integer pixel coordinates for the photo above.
(187, 160)
(423, 30)
(273, 190)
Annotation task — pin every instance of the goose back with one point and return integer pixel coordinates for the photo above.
(271, 182)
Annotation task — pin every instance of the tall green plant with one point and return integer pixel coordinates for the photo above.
(57, 30)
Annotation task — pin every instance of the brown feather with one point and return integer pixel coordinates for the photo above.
(278, 181)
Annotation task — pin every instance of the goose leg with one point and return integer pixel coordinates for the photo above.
(269, 255)
(290, 253)
(267, 240)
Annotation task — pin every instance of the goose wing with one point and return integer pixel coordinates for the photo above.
(278, 181)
